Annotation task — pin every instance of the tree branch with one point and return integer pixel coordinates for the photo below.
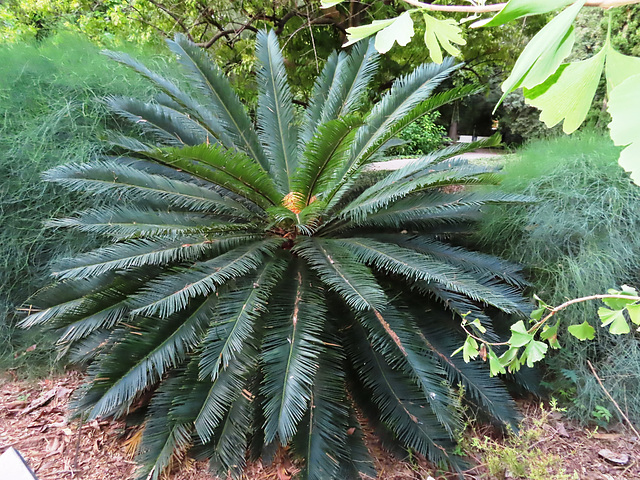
(175, 17)
(496, 7)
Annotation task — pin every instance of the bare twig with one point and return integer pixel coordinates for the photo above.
(614, 402)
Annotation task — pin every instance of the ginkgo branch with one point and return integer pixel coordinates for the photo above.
(552, 312)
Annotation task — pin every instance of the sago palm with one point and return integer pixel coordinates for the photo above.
(263, 288)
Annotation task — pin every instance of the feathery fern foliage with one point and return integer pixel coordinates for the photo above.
(262, 286)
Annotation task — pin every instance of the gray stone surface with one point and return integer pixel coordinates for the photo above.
(13, 466)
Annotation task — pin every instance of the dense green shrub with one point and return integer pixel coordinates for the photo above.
(579, 238)
(422, 136)
(256, 288)
(50, 113)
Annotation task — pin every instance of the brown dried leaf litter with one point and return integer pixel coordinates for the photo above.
(34, 420)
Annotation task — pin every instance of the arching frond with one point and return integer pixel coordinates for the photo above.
(324, 155)
(479, 263)
(369, 202)
(172, 292)
(188, 105)
(122, 223)
(290, 353)
(322, 440)
(157, 347)
(167, 125)
(168, 431)
(321, 88)
(424, 210)
(276, 124)
(354, 72)
(337, 268)
(232, 170)
(399, 401)
(411, 265)
(489, 393)
(392, 333)
(118, 179)
(141, 252)
(228, 451)
(65, 298)
(432, 103)
(212, 82)
(224, 390)
(234, 321)
(406, 93)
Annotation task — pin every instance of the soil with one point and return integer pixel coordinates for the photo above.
(34, 419)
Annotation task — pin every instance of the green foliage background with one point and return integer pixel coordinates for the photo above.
(580, 238)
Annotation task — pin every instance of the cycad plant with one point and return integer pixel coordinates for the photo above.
(263, 288)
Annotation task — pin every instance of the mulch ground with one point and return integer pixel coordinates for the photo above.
(34, 420)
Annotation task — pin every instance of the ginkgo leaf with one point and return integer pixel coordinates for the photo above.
(620, 67)
(442, 33)
(584, 331)
(495, 366)
(521, 8)
(550, 334)
(355, 34)
(535, 352)
(401, 31)
(544, 53)
(519, 335)
(330, 3)
(624, 104)
(615, 319)
(567, 95)
(634, 313)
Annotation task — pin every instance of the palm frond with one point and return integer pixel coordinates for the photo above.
(357, 461)
(232, 170)
(228, 452)
(392, 333)
(412, 266)
(354, 73)
(337, 268)
(392, 130)
(172, 292)
(432, 162)
(463, 174)
(64, 298)
(226, 389)
(290, 352)
(323, 439)
(476, 262)
(277, 128)
(120, 179)
(157, 348)
(122, 223)
(321, 88)
(405, 94)
(142, 252)
(167, 125)
(163, 440)
(489, 393)
(234, 321)
(212, 82)
(429, 208)
(188, 105)
(398, 400)
(324, 155)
